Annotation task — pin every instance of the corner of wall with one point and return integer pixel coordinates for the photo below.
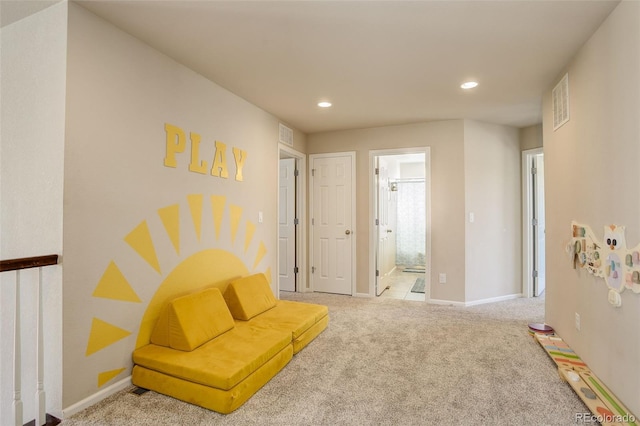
(33, 72)
(531, 137)
(492, 211)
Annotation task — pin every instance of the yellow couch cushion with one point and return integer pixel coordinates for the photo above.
(249, 296)
(221, 363)
(295, 317)
(190, 321)
(220, 400)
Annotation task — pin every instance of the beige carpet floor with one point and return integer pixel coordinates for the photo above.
(390, 362)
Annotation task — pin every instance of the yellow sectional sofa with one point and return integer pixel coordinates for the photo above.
(250, 299)
(216, 351)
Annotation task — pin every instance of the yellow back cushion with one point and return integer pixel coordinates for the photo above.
(249, 296)
(190, 321)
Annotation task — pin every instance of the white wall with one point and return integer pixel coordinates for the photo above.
(492, 193)
(592, 176)
(33, 73)
(412, 170)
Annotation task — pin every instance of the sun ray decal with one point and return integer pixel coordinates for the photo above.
(170, 217)
(105, 376)
(140, 240)
(236, 214)
(103, 334)
(195, 206)
(248, 236)
(114, 285)
(217, 208)
(211, 259)
(262, 250)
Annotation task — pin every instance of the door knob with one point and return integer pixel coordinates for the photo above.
(347, 232)
(389, 231)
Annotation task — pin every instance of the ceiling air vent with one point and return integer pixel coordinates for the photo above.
(286, 135)
(561, 102)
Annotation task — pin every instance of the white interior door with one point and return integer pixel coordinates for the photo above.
(384, 240)
(539, 229)
(332, 223)
(286, 225)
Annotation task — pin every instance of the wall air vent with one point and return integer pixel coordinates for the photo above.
(286, 135)
(561, 102)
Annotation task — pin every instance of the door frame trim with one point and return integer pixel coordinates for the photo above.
(301, 213)
(527, 216)
(354, 233)
(373, 232)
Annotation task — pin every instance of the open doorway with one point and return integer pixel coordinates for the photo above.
(533, 223)
(291, 254)
(400, 255)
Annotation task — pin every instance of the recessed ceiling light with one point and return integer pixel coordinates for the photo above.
(469, 84)
(324, 104)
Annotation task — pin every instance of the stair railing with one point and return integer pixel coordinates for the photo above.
(17, 265)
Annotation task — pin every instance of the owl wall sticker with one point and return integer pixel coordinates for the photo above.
(609, 259)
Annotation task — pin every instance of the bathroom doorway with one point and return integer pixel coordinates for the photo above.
(400, 254)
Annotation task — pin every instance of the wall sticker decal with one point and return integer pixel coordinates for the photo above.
(114, 285)
(176, 143)
(103, 334)
(609, 259)
(190, 245)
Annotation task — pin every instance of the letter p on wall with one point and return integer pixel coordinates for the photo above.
(176, 143)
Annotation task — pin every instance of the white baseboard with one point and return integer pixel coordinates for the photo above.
(445, 302)
(475, 302)
(96, 397)
(494, 299)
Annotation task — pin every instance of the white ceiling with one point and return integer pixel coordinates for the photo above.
(379, 62)
(15, 10)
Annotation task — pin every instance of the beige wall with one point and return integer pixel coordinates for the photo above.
(446, 140)
(120, 94)
(531, 137)
(474, 167)
(592, 177)
(493, 254)
(299, 141)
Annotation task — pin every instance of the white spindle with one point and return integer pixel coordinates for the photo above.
(40, 394)
(17, 353)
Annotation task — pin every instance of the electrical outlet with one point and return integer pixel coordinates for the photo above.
(577, 321)
(443, 278)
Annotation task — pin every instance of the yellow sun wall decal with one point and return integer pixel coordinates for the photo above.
(213, 263)
(140, 240)
(113, 285)
(103, 334)
(170, 217)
